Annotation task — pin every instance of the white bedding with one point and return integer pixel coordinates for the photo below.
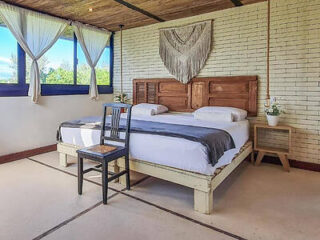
(170, 151)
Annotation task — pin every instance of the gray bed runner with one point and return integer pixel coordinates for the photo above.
(216, 141)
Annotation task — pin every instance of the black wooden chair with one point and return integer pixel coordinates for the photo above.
(105, 153)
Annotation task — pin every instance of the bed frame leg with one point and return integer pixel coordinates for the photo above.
(203, 201)
(252, 157)
(113, 167)
(63, 159)
(122, 179)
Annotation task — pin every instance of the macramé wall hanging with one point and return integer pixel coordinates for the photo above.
(184, 50)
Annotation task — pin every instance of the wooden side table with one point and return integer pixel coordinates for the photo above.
(282, 152)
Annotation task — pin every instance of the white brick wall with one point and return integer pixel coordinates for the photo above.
(239, 48)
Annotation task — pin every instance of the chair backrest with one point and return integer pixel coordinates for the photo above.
(114, 123)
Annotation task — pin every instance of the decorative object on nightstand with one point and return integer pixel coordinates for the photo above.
(280, 149)
(273, 113)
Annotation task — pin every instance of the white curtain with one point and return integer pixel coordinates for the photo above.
(93, 41)
(36, 33)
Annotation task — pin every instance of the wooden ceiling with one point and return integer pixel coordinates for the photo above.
(109, 14)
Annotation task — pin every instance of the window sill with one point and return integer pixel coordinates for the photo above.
(13, 90)
(16, 90)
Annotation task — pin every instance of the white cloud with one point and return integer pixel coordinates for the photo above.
(5, 72)
(6, 60)
(54, 65)
(5, 69)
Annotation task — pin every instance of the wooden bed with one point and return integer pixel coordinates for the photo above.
(238, 91)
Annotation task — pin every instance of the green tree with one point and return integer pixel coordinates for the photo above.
(13, 77)
(103, 76)
(66, 65)
(14, 68)
(84, 71)
(83, 74)
(42, 63)
(59, 76)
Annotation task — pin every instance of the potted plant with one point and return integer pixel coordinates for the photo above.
(273, 113)
(121, 98)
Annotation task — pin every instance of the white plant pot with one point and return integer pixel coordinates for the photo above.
(273, 120)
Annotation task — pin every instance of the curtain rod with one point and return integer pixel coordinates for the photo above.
(49, 14)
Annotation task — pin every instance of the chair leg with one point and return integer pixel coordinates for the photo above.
(128, 172)
(104, 181)
(80, 174)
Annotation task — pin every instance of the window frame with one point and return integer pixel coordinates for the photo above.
(21, 88)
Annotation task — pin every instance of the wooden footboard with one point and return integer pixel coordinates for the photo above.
(203, 185)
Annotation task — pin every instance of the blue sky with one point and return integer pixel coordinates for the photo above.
(61, 52)
(7, 46)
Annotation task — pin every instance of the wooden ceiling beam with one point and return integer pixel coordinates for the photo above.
(46, 13)
(237, 3)
(133, 7)
(108, 14)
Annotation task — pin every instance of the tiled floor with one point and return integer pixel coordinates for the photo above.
(39, 200)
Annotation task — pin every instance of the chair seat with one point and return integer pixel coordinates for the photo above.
(106, 151)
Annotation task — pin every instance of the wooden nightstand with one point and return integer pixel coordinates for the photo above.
(282, 150)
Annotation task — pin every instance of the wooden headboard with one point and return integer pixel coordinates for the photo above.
(236, 91)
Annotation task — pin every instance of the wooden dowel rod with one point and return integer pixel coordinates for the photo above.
(121, 80)
(268, 53)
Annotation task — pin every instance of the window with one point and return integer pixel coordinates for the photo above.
(56, 65)
(63, 68)
(102, 68)
(12, 57)
(8, 56)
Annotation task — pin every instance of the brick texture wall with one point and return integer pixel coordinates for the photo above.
(239, 48)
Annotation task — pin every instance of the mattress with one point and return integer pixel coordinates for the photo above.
(169, 151)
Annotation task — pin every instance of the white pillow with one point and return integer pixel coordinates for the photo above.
(148, 109)
(237, 113)
(214, 116)
(142, 111)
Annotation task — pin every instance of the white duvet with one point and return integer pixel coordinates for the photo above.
(170, 151)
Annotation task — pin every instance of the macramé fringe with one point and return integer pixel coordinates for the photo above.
(185, 65)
